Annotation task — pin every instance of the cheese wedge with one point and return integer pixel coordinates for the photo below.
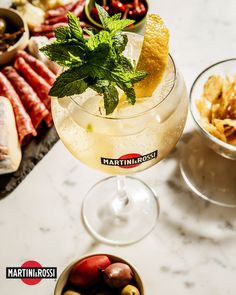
(10, 150)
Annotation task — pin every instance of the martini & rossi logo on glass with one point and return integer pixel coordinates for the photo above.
(129, 160)
(31, 272)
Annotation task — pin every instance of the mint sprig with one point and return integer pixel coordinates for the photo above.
(97, 62)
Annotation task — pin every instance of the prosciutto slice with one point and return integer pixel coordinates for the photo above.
(39, 67)
(32, 104)
(24, 124)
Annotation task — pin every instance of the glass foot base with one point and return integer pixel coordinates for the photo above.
(112, 222)
(208, 174)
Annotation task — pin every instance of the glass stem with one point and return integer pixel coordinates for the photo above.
(122, 200)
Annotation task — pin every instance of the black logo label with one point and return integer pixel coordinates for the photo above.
(129, 160)
(31, 272)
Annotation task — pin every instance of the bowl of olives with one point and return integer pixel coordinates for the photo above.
(99, 274)
(131, 9)
(14, 34)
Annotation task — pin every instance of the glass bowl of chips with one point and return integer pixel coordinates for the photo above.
(212, 175)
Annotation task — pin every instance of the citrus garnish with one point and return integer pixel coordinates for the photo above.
(154, 55)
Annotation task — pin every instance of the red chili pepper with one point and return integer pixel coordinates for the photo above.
(138, 11)
(117, 7)
(94, 14)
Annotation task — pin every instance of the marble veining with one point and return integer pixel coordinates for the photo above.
(192, 248)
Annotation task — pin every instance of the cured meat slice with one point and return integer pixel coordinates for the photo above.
(77, 9)
(10, 151)
(32, 104)
(48, 28)
(39, 67)
(40, 86)
(58, 19)
(24, 124)
(61, 9)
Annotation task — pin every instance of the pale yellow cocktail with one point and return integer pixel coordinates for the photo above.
(133, 137)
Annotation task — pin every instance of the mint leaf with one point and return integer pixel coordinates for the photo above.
(103, 15)
(112, 24)
(100, 61)
(137, 76)
(97, 62)
(126, 64)
(102, 83)
(130, 94)
(74, 49)
(89, 32)
(111, 99)
(119, 42)
(70, 82)
(64, 54)
(62, 33)
(110, 94)
(74, 25)
(115, 16)
(58, 53)
(100, 38)
(115, 26)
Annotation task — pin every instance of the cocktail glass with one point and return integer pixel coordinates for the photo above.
(122, 210)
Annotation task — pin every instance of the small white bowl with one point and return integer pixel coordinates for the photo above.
(12, 16)
(62, 280)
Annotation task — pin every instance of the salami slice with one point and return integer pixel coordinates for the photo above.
(40, 86)
(32, 104)
(24, 124)
(39, 67)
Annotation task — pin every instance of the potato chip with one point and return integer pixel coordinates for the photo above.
(231, 108)
(233, 141)
(213, 88)
(214, 131)
(217, 108)
(203, 109)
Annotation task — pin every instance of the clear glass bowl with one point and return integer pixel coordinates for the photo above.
(210, 175)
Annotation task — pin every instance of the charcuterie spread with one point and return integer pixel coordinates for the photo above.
(25, 85)
(27, 77)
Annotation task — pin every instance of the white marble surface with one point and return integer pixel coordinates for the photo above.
(192, 249)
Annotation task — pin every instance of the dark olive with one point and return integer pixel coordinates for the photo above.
(117, 275)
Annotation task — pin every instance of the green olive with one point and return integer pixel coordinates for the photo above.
(130, 290)
(3, 25)
(69, 292)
